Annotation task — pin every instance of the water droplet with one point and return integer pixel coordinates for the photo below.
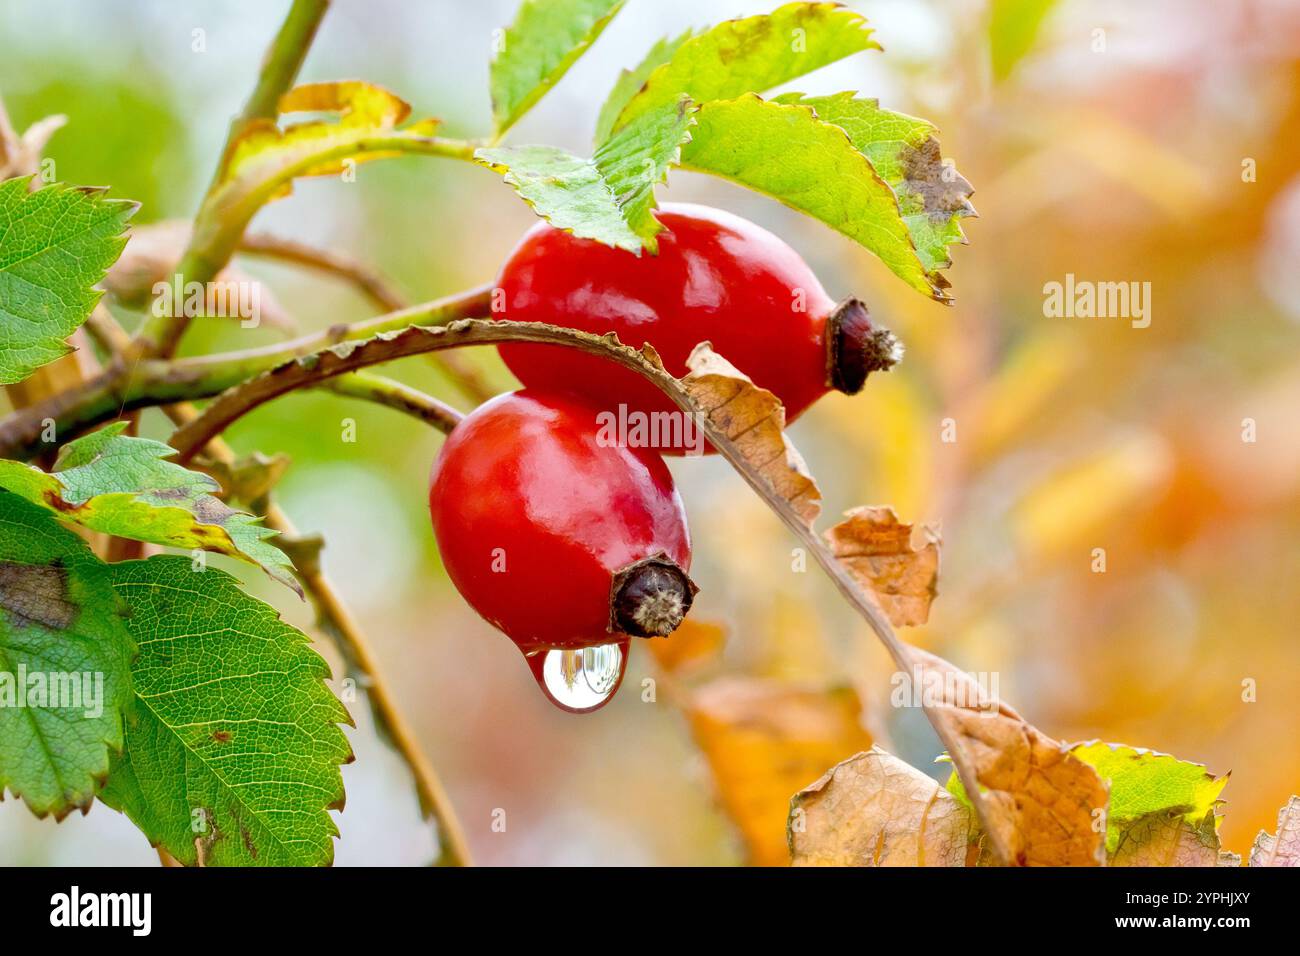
(580, 680)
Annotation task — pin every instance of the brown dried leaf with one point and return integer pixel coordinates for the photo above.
(1284, 848)
(875, 810)
(21, 155)
(877, 548)
(1166, 838)
(693, 645)
(764, 740)
(248, 478)
(1039, 802)
(754, 420)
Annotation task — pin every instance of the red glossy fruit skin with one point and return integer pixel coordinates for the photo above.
(524, 473)
(717, 277)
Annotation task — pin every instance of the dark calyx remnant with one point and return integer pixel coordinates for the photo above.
(855, 348)
(650, 597)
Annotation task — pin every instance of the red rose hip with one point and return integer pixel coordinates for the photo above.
(559, 540)
(716, 278)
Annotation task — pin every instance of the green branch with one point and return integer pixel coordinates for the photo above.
(127, 384)
(206, 255)
(395, 395)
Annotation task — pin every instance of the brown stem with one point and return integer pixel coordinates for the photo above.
(373, 286)
(129, 384)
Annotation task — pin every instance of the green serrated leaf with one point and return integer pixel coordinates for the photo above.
(933, 197)
(55, 245)
(565, 190)
(233, 744)
(1144, 782)
(753, 54)
(121, 485)
(546, 39)
(609, 198)
(785, 151)
(629, 83)
(64, 663)
(637, 159)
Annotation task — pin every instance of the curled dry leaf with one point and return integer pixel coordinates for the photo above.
(1284, 848)
(875, 810)
(877, 548)
(151, 257)
(1166, 838)
(764, 740)
(364, 116)
(1041, 806)
(754, 421)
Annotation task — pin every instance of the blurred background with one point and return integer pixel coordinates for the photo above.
(1151, 142)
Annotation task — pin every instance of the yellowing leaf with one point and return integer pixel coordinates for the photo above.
(765, 740)
(877, 548)
(1144, 782)
(265, 159)
(1071, 505)
(124, 486)
(1282, 849)
(875, 810)
(1031, 375)
(753, 419)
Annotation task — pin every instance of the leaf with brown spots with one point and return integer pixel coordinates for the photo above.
(877, 548)
(64, 663)
(122, 486)
(875, 810)
(764, 740)
(933, 197)
(232, 744)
